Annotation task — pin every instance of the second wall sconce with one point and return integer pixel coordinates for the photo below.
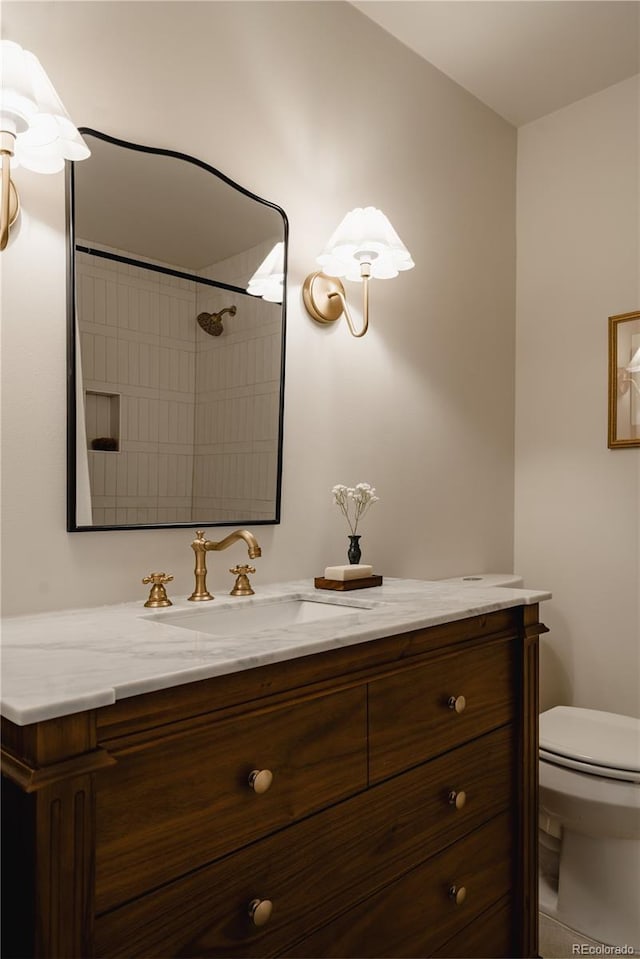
(35, 129)
(364, 246)
(268, 280)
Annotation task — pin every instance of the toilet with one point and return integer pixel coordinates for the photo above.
(590, 823)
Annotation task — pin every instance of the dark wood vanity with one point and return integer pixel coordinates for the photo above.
(401, 819)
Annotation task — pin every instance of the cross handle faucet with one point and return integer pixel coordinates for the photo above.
(202, 546)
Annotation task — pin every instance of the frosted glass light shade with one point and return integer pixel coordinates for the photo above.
(634, 365)
(268, 280)
(32, 111)
(365, 236)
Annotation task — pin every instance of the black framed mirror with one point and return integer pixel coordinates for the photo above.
(175, 371)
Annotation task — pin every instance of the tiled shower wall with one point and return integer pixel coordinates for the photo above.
(138, 348)
(195, 416)
(237, 397)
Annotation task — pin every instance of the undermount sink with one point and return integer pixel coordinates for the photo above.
(255, 617)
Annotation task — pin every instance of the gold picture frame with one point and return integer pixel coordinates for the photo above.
(624, 380)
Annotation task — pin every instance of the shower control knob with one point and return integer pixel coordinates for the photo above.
(260, 911)
(457, 894)
(260, 780)
(457, 703)
(457, 799)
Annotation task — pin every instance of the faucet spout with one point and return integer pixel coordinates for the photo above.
(240, 534)
(202, 546)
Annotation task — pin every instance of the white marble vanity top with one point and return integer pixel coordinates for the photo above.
(58, 663)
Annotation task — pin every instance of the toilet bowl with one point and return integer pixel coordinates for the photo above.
(590, 823)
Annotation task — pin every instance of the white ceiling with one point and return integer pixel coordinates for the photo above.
(523, 58)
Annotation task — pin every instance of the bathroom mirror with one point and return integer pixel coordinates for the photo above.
(176, 372)
(624, 380)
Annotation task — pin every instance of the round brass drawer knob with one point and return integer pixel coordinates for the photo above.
(260, 780)
(457, 799)
(457, 703)
(260, 911)
(458, 894)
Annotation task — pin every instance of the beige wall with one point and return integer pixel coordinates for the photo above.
(312, 106)
(578, 503)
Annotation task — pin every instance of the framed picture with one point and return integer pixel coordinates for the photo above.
(624, 380)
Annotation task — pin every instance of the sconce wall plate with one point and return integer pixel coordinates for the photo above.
(322, 297)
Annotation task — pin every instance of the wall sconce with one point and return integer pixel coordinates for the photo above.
(35, 129)
(634, 365)
(624, 382)
(365, 245)
(268, 279)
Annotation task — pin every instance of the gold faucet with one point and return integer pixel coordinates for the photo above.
(200, 546)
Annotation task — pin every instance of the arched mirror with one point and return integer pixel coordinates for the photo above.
(176, 337)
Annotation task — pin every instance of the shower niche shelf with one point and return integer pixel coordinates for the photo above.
(102, 417)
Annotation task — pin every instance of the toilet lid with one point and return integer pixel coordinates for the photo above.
(590, 736)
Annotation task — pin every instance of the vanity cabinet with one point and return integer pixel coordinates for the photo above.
(376, 800)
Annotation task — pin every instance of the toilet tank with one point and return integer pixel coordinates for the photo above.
(486, 579)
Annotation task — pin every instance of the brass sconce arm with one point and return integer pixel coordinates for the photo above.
(325, 300)
(347, 314)
(6, 186)
(625, 381)
(9, 203)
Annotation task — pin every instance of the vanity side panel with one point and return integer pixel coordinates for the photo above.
(526, 880)
(48, 769)
(48, 865)
(65, 873)
(18, 872)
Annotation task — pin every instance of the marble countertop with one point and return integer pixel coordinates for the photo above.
(55, 664)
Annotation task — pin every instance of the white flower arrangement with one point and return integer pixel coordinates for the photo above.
(354, 502)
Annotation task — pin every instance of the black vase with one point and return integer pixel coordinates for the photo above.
(354, 552)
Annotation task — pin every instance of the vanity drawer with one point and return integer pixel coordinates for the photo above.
(171, 804)
(415, 915)
(313, 870)
(424, 710)
(490, 936)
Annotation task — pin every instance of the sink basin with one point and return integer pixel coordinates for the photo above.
(255, 617)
